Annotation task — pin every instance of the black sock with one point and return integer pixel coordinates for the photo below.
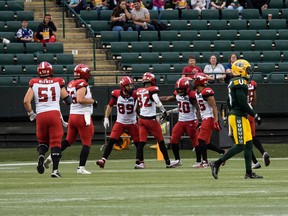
(164, 151)
(203, 149)
(56, 155)
(42, 149)
(198, 154)
(258, 145)
(84, 155)
(215, 148)
(108, 148)
(254, 158)
(175, 149)
(64, 144)
(139, 153)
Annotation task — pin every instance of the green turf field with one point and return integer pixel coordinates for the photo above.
(121, 190)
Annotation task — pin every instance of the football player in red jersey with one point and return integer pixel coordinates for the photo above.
(147, 99)
(209, 115)
(80, 121)
(46, 91)
(252, 99)
(124, 99)
(187, 118)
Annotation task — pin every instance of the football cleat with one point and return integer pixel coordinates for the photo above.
(40, 167)
(101, 163)
(204, 164)
(179, 163)
(266, 158)
(56, 174)
(173, 163)
(256, 166)
(82, 170)
(139, 166)
(214, 169)
(47, 162)
(252, 176)
(197, 165)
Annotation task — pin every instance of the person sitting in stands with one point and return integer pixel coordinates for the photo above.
(46, 29)
(24, 34)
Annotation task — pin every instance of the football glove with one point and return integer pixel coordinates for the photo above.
(258, 119)
(32, 115)
(164, 117)
(95, 103)
(106, 123)
(217, 126)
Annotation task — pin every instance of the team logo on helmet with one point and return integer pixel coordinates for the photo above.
(127, 85)
(200, 79)
(241, 68)
(149, 78)
(82, 71)
(45, 69)
(182, 86)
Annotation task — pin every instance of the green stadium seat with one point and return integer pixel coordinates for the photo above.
(149, 36)
(142, 46)
(2, 26)
(237, 24)
(276, 4)
(284, 13)
(105, 15)
(199, 46)
(150, 58)
(7, 16)
(169, 35)
(252, 56)
(257, 24)
(28, 15)
(178, 69)
(14, 48)
(172, 78)
(241, 45)
(250, 14)
(35, 47)
(56, 47)
(266, 67)
(108, 36)
(283, 67)
(25, 59)
(186, 55)
(263, 45)
(282, 34)
(64, 58)
(33, 25)
(228, 34)
(2, 5)
(13, 69)
(8, 81)
(190, 35)
(31, 69)
(89, 15)
(278, 77)
(285, 56)
(218, 24)
(139, 68)
(69, 69)
(13, 26)
(208, 35)
(271, 56)
(154, 14)
(2, 48)
(99, 25)
(24, 80)
(7, 59)
(161, 68)
(49, 57)
(198, 24)
(226, 55)
(117, 48)
(128, 36)
(277, 24)
(267, 34)
(210, 15)
(247, 34)
(9, 35)
(181, 46)
(206, 56)
(189, 14)
(169, 15)
(15, 5)
(179, 24)
(281, 45)
(127, 59)
(222, 45)
(258, 77)
(161, 46)
(170, 57)
(275, 13)
(230, 14)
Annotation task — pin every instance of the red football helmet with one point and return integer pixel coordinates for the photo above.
(127, 84)
(82, 71)
(149, 78)
(45, 69)
(182, 86)
(200, 79)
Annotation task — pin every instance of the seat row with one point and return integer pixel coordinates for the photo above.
(225, 14)
(32, 48)
(201, 57)
(16, 15)
(29, 59)
(11, 6)
(14, 26)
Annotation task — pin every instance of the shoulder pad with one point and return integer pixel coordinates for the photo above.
(115, 93)
(207, 92)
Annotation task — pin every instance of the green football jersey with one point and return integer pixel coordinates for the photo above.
(238, 97)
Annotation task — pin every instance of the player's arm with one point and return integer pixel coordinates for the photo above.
(242, 99)
(27, 104)
(211, 101)
(254, 99)
(65, 96)
(80, 96)
(158, 102)
(167, 98)
(108, 111)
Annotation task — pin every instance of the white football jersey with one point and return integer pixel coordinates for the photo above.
(187, 111)
(145, 101)
(206, 110)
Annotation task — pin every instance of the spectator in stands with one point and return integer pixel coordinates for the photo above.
(120, 18)
(235, 4)
(233, 57)
(78, 5)
(218, 4)
(198, 5)
(180, 4)
(191, 69)
(260, 4)
(141, 17)
(99, 5)
(24, 34)
(214, 70)
(158, 5)
(46, 29)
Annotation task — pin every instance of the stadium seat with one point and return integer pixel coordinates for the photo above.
(2, 48)
(222, 45)
(169, 15)
(117, 48)
(241, 45)
(161, 46)
(149, 36)
(252, 56)
(181, 46)
(230, 14)
(209, 35)
(2, 26)
(89, 15)
(161, 68)
(150, 58)
(247, 34)
(207, 55)
(189, 35)
(32, 69)
(275, 13)
(171, 58)
(56, 47)
(262, 45)
(99, 25)
(7, 59)
(9, 35)
(258, 77)
(108, 36)
(190, 14)
(15, 5)
(226, 55)
(49, 57)
(257, 24)
(228, 34)
(283, 67)
(33, 25)
(24, 80)
(282, 34)
(201, 46)
(14, 48)
(25, 59)
(250, 14)
(35, 47)
(267, 34)
(277, 24)
(285, 56)
(7, 16)
(218, 24)
(154, 14)
(8, 81)
(278, 77)
(265, 67)
(105, 15)
(13, 69)
(210, 15)
(276, 4)
(64, 58)
(139, 47)
(281, 45)
(28, 15)
(186, 55)
(128, 36)
(172, 78)
(237, 24)
(69, 69)
(13, 26)
(284, 13)
(271, 56)
(129, 58)
(198, 24)
(139, 68)
(179, 24)
(169, 35)
(178, 68)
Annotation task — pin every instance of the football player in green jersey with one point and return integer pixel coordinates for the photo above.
(238, 118)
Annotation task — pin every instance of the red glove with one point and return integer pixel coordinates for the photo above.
(217, 126)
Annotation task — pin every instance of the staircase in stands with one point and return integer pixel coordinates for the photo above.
(75, 39)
